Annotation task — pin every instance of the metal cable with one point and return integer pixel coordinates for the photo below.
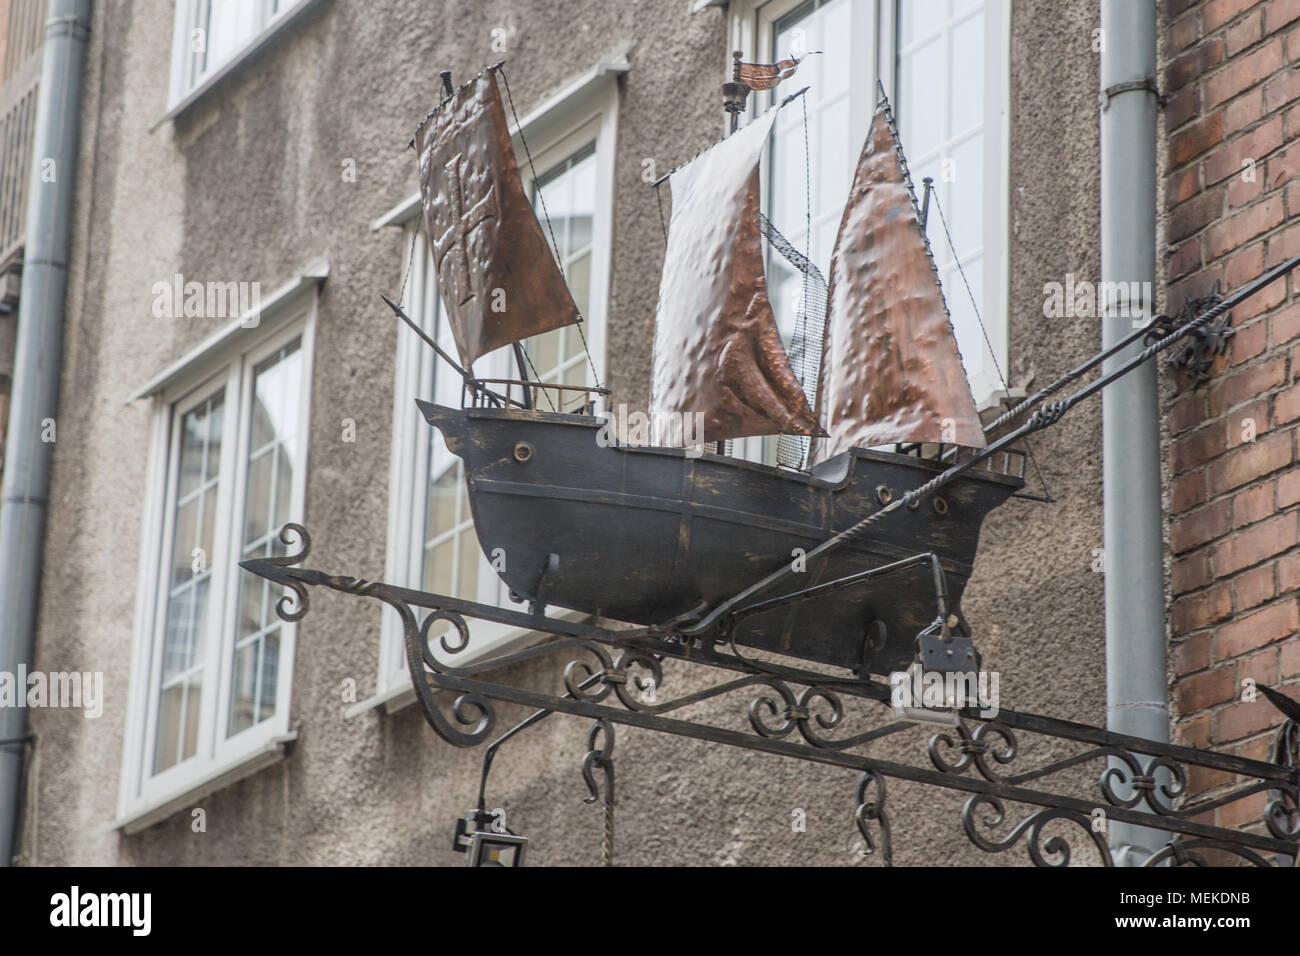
(934, 194)
(555, 246)
(410, 262)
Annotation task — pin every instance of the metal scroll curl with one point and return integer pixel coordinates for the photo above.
(1143, 783)
(1054, 853)
(646, 685)
(1282, 814)
(292, 607)
(975, 748)
(1186, 852)
(468, 709)
(607, 668)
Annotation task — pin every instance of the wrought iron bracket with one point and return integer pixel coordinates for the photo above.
(616, 676)
(1206, 343)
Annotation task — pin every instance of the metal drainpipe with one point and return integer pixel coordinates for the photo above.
(1137, 699)
(37, 355)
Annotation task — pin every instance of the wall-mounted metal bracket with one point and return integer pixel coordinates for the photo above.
(1146, 84)
(617, 677)
(1205, 344)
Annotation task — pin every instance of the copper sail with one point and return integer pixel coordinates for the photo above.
(717, 349)
(498, 279)
(890, 367)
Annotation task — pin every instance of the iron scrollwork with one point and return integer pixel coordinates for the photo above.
(990, 739)
(614, 676)
(1055, 852)
(1188, 853)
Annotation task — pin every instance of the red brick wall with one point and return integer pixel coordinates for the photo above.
(1232, 77)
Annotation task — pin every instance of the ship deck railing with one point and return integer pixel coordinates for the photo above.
(1010, 462)
(532, 395)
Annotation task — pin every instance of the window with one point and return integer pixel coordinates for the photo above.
(942, 102)
(432, 544)
(213, 662)
(209, 34)
(566, 193)
(944, 65)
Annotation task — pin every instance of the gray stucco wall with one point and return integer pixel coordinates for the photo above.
(247, 185)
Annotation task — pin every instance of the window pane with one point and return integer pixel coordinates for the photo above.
(940, 105)
(826, 27)
(964, 197)
(918, 18)
(810, 172)
(268, 504)
(439, 567)
(921, 106)
(967, 76)
(569, 191)
(579, 273)
(442, 503)
(229, 26)
(544, 350)
(970, 338)
(189, 572)
(243, 688)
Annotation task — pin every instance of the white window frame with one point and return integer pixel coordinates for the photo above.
(186, 81)
(227, 360)
(751, 27)
(986, 386)
(584, 110)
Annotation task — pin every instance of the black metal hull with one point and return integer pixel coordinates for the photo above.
(644, 535)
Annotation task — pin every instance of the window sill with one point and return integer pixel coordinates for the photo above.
(272, 751)
(998, 400)
(254, 48)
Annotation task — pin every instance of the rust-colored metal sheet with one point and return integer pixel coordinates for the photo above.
(498, 278)
(717, 348)
(890, 368)
(765, 76)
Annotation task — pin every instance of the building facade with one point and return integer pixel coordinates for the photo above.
(244, 195)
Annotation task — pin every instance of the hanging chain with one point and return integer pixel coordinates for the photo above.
(602, 758)
(607, 844)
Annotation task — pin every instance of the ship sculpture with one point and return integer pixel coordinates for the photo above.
(657, 535)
